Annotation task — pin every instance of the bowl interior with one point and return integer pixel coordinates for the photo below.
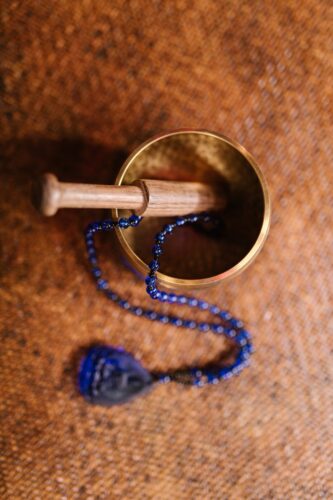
(190, 253)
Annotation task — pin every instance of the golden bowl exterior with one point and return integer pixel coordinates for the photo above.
(192, 259)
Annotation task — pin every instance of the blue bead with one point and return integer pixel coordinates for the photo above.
(181, 299)
(97, 273)
(180, 221)
(154, 265)
(164, 296)
(172, 298)
(134, 220)
(106, 225)
(217, 329)
(225, 315)
(157, 250)
(124, 304)
(151, 286)
(225, 372)
(215, 310)
(160, 238)
(169, 228)
(111, 295)
(243, 337)
(211, 378)
(235, 323)
(203, 327)
(92, 228)
(198, 382)
(90, 241)
(193, 218)
(203, 305)
(151, 314)
(155, 294)
(176, 321)
(163, 318)
(150, 280)
(230, 332)
(243, 355)
(93, 260)
(123, 223)
(248, 349)
(102, 284)
(192, 302)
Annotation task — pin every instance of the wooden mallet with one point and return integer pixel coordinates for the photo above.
(144, 197)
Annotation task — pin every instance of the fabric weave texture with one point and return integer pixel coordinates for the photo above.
(82, 84)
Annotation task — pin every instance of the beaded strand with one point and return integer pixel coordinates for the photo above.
(228, 326)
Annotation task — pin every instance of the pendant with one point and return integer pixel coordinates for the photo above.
(110, 375)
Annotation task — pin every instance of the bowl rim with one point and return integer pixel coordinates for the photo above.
(171, 281)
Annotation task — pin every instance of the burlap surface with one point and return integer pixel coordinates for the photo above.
(82, 84)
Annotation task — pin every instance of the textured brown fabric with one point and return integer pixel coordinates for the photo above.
(82, 84)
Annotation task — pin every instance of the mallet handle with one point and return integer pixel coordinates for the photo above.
(145, 197)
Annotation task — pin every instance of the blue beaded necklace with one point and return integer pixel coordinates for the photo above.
(110, 375)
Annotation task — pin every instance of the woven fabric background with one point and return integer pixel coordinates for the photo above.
(82, 84)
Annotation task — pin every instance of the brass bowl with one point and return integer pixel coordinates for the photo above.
(194, 259)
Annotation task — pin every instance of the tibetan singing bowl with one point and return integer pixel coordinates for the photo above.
(193, 258)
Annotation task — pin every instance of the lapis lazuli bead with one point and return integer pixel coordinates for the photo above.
(203, 327)
(172, 298)
(107, 225)
(243, 338)
(124, 304)
(102, 284)
(202, 304)
(123, 223)
(217, 329)
(134, 220)
(154, 265)
(150, 280)
(225, 315)
(110, 375)
(160, 238)
(112, 296)
(168, 228)
(181, 299)
(180, 221)
(97, 273)
(151, 287)
(157, 250)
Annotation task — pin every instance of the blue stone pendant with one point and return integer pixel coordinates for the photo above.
(110, 375)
